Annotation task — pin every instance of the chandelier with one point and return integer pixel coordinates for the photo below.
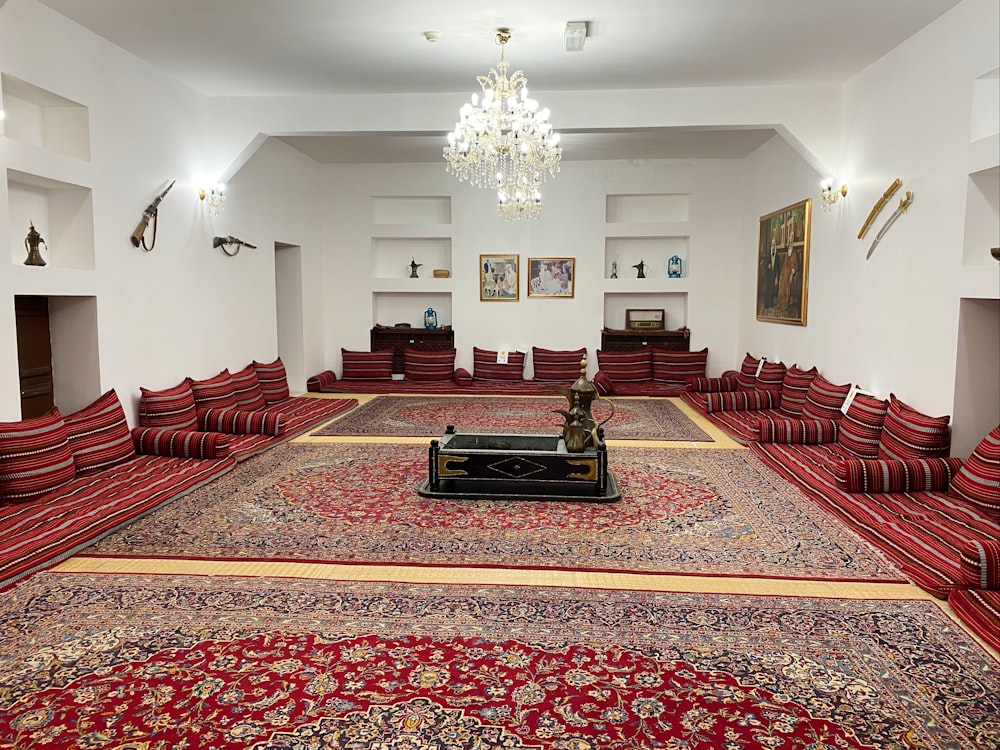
(504, 142)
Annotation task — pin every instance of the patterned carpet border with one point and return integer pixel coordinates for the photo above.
(684, 511)
(427, 416)
(159, 662)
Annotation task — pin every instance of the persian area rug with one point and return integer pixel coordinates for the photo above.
(163, 662)
(683, 511)
(415, 416)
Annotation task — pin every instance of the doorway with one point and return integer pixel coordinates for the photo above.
(34, 355)
(288, 312)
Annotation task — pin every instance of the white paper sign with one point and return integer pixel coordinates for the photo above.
(502, 357)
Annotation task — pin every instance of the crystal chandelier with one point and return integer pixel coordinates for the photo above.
(504, 142)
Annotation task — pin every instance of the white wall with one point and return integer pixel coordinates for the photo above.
(572, 224)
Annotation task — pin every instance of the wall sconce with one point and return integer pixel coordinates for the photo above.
(223, 242)
(830, 195)
(214, 198)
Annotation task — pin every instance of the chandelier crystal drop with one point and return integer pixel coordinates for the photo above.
(505, 142)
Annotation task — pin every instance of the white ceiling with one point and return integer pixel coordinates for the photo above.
(314, 47)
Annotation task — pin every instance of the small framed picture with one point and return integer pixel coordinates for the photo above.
(499, 278)
(551, 277)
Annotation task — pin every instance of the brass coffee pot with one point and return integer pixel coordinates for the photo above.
(31, 243)
(580, 396)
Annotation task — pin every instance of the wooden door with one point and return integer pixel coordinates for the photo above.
(34, 355)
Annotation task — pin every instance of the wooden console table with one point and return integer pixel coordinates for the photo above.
(395, 338)
(614, 340)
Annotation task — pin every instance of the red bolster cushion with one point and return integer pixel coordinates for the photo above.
(318, 382)
(463, 376)
(603, 383)
(916, 475)
(797, 431)
(979, 563)
(712, 385)
(239, 422)
(180, 443)
(742, 401)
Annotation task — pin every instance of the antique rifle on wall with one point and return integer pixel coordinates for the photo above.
(147, 216)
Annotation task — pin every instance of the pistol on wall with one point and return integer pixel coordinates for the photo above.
(149, 215)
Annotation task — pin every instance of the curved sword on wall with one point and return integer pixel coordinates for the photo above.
(879, 205)
(904, 204)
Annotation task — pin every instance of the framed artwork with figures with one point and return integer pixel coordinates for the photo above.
(551, 277)
(499, 278)
(783, 264)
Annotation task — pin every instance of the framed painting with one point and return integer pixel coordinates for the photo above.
(783, 264)
(551, 277)
(499, 277)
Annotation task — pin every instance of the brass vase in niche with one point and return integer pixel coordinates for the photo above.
(31, 243)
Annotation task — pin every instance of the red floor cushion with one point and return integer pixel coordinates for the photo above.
(35, 457)
(626, 367)
(273, 380)
(557, 365)
(217, 392)
(428, 365)
(794, 389)
(168, 409)
(914, 475)
(908, 433)
(978, 481)
(861, 426)
(671, 366)
(367, 365)
(746, 378)
(824, 399)
(99, 435)
(246, 385)
(486, 367)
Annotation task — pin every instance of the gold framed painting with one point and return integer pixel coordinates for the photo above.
(551, 277)
(783, 264)
(499, 278)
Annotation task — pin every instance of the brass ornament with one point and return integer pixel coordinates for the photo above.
(31, 243)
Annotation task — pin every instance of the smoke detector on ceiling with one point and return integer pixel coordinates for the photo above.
(576, 35)
(432, 36)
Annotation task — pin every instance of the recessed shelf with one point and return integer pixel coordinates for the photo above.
(653, 252)
(982, 218)
(390, 308)
(44, 119)
(615, 305)
(61, 212)
(646, 208)
(392, 256)
(411, 209)
(985, 119)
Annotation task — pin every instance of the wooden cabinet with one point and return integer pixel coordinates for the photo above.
(396, 338)
(621, 340)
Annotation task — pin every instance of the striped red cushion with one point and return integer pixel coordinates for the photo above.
(318, 382)
(671, 366)
(824, 399)
(463, 376)
(794, 388)
(861, 426)
(169, 409)
(712, 385)
(273, 380)
(771, 378)
(557, 365)
(746, 379)
(740, 401)
(626, 367)
(239, 422)
(908, 433)
(485, 366)
(246, 385)
(428, 365)
(214, 393)
(99, 435)
(367, 365)
(978, 481)
(797, 431)
(915, 475)
(603, 384)
(151, 441)
(35, 457)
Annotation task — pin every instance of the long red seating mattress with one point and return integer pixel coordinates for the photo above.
(980, 611)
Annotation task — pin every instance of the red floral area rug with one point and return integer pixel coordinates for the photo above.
(163, 662)
(683, 511)
(416, 416)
